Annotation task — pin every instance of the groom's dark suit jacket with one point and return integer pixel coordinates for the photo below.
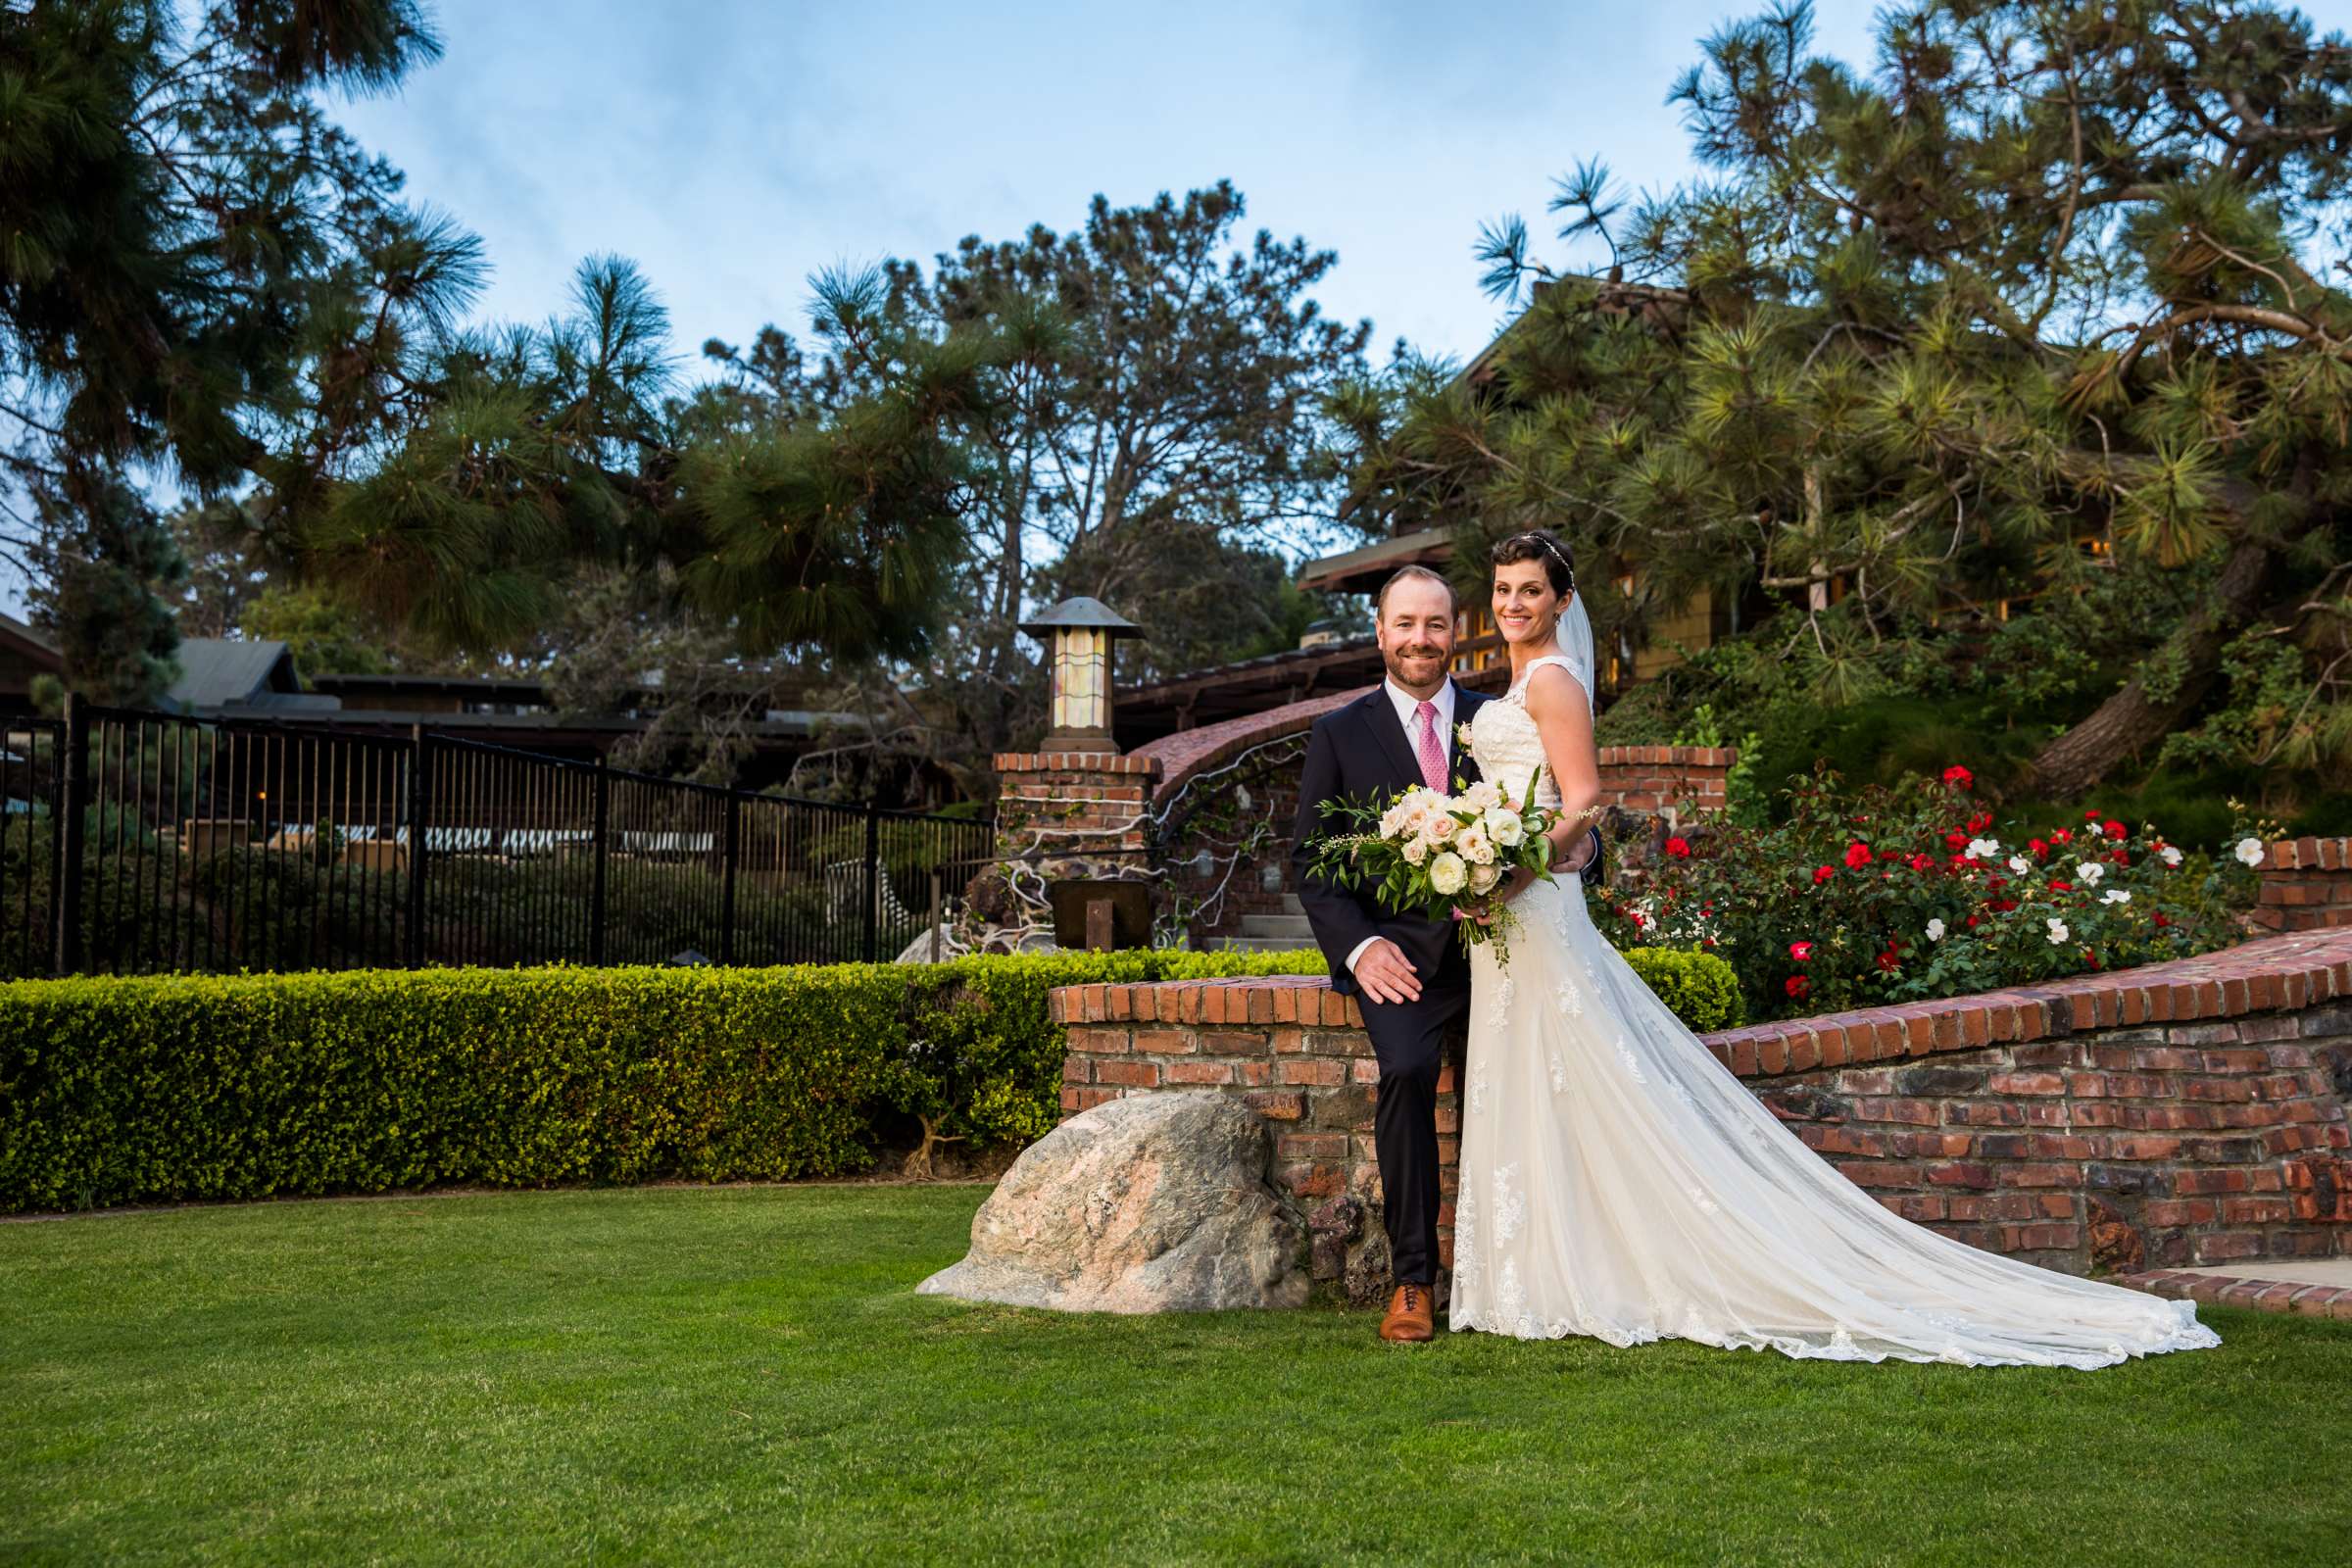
(1360, 752)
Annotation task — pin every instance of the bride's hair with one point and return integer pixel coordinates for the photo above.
(1538, 545)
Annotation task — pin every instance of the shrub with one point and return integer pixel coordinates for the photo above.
(135, 1089)
(160, 1088)
(1895, 894)
(1702, 988)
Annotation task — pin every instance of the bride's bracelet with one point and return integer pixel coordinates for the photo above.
(1585, 819)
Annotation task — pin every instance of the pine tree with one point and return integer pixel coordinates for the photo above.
(2048, 277)
(1143, 425)
(180, 227)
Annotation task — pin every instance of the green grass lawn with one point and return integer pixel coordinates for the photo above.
(745, 1375)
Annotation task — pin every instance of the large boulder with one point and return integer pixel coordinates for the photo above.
(1153, 1204)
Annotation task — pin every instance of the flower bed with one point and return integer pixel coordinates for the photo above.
(1901, 893)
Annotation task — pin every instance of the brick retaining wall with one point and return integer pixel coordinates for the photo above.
(2184, 1113)
(2306, 885)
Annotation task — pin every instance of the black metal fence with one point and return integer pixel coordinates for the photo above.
(144, 843)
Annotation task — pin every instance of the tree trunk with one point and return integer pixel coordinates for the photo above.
(2132, 718)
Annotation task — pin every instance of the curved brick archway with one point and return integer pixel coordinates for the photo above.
(1189, 752)
(1642, 778)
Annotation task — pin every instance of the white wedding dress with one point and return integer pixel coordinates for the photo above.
(1618, 1182)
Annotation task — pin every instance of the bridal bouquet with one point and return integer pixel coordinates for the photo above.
(1440, 853)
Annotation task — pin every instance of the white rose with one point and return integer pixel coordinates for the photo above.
(1484, 877)
(1473, 844)
(1396, 821)
(1415, 850)
(2020, 864)
(2249, 851)
(1505, 828)
(1447, 874)
(2090, 871)
(2169, 855)
(1482, 797)
(2115, 896)
(1982, 848)
(2058, 932)
(1935, 930)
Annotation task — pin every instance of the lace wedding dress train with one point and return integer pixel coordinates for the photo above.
(1616, 1180)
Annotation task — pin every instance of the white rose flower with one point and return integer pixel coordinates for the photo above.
(1415, 850)
(2115, 896)
(2090, 871)
(2249, 851)
(2020, 864)
(1473, 844)
(1484, 877)
(2169, 855)
(1505, 828)
(1935, 930)
(1396, 821)
(1447, 874)
(1482, 797)
(1982, 848)
(2058, 932)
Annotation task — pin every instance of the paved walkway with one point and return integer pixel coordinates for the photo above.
(2336, 1271)
(2317, 1287)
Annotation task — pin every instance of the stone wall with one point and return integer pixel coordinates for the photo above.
(2189, 1112)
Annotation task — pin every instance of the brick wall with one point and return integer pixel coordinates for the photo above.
(1054, 807)
(1261, 884)
(2188, 1112)
(1669, 781)
(2306, 885)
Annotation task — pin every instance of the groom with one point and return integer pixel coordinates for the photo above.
(1408, 974)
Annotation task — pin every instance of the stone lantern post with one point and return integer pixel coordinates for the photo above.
(1078, 634)
(1075, 811)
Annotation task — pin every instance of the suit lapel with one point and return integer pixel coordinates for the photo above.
(1466, 703)
(1381, 714)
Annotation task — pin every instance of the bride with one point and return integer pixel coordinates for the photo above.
(1616, 1180)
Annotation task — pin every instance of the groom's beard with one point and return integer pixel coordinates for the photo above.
(1432, 661)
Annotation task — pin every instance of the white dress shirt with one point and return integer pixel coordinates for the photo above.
(1408, 714)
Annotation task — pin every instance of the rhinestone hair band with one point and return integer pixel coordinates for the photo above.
(1565, 563)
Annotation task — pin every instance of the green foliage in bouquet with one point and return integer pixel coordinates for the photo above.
(1426, 851)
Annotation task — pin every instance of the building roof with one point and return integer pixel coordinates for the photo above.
(217, 672)
(487, 688)
(29, 640)
(1197, 697)
(1363, 571)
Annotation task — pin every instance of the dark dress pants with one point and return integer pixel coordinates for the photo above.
(1410, 1041)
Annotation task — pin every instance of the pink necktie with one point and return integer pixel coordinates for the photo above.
(1433, 754)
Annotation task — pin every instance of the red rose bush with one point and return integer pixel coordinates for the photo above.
(1897, 893)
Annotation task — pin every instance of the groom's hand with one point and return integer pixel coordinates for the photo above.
(1588, 847)
(1386, 974)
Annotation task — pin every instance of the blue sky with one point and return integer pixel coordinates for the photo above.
(733, 148)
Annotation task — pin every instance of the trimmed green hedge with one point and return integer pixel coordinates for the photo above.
(146, 1089)
(154, 1088)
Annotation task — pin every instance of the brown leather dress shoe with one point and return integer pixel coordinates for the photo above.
(1411, 1316)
